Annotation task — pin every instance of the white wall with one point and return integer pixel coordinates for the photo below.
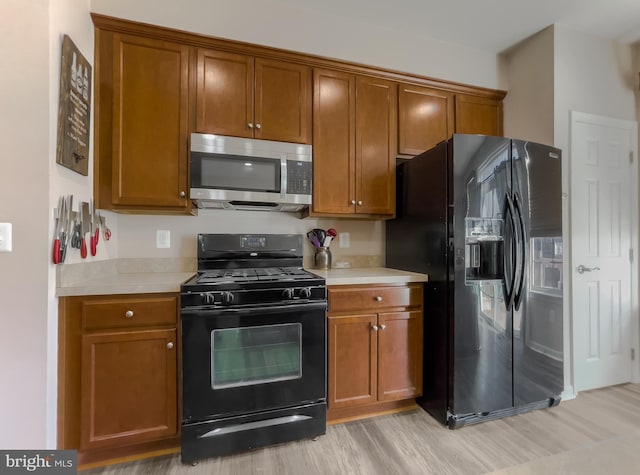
(30, 42)
(527, 73)
(592, 75)
(271, 23)
(24, 201)
(69, 17)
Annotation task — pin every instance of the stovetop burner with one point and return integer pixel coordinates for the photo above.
(242, 270)
(221, 276)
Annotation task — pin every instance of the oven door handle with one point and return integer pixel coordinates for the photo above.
(201, 312)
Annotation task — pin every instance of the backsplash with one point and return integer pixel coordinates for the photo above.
(137, 234)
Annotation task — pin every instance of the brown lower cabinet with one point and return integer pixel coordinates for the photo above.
(375, 342)
(118, 375)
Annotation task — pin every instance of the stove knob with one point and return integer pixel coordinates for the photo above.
(227, 297)
(206, 298)
(305, 293)
(287, 294)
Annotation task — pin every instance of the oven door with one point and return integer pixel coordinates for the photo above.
(238, 361)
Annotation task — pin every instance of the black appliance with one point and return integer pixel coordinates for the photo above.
(483, 217)
(253, 346)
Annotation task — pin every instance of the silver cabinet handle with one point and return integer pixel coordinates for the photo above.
(258, 126)
(128, 313)
(383, 326)
(250, 125)
(378, 298)
(582, 269)
(182, 194)
(359, 203)
(353, 202)
(375, 328)
(170, 345)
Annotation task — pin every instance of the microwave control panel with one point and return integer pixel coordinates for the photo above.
(299, 177)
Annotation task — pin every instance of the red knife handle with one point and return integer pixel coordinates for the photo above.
(83, 247)
(94, 245)
(56, 251)
(97, 235)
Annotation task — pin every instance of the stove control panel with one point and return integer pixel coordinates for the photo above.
(225, 298)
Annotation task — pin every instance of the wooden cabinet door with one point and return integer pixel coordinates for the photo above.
(352, 361)
(334, 142)
(224, 93)
(150, 122)
(128, 387)
(282, 101)
(376, 125)
(425, 118)
(400, 342)
(478, 115)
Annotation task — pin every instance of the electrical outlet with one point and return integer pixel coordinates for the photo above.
(5, 237)
(163, 239)
(343, 239)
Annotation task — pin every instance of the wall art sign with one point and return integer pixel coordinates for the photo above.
(74, 109)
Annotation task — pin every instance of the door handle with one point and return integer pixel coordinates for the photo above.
(523, 251)
(582, 269)
(509, 290)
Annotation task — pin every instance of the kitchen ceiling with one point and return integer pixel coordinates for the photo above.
(490, 25)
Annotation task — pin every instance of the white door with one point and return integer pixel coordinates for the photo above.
(602, 226)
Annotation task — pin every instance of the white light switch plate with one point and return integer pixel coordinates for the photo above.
(5, 237)
(343, 239)
(163, 239)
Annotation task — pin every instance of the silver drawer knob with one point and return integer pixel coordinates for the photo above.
(375, 328)
(258, 126)
(170, 345)
(359, 203)
(383, 326)
(353, 202)
(128, 313)
(182, 194)
(378, 298)
(250, 125)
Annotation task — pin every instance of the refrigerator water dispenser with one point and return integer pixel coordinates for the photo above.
(484, 249)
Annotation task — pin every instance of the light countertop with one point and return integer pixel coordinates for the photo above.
(368, 275)
(127, 283)
(111, 283)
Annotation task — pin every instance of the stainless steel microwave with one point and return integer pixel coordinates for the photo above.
(240, 173)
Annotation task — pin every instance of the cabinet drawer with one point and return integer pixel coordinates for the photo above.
(373, 297)
(129, 312)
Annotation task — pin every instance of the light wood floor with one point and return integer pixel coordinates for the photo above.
(596, 433)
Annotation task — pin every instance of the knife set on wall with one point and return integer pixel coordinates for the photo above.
(70, 228)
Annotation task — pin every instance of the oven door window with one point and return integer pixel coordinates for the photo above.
(233, 172)
(255, 355)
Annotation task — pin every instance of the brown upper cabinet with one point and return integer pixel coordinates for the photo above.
(354, 146)
(425, 118)
(154, 86)
(478, 115)
(243, 96)
(142, 123)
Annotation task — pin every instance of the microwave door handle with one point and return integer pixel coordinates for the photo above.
(283, 176)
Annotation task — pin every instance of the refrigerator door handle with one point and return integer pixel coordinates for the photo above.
(522, 241)
(509, 290)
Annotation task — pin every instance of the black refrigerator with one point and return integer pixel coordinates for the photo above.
(482, 216)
